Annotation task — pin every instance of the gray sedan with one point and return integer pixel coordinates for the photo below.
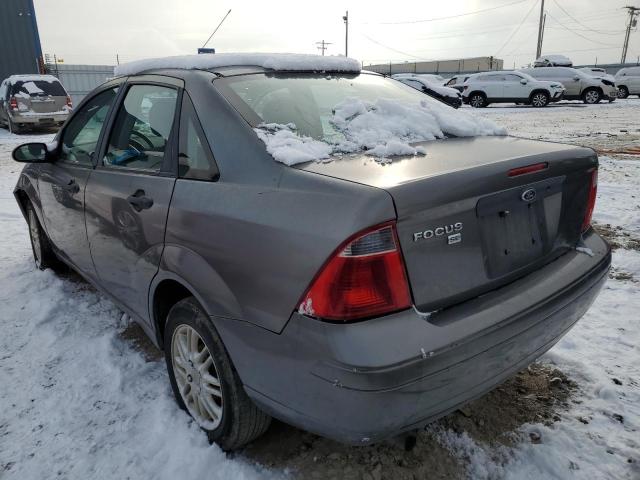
(352, 298)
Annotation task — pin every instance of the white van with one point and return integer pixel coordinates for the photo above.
(628, 81)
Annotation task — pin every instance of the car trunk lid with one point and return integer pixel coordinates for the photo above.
(465, 226)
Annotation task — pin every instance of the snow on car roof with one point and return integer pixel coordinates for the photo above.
(270, 61)
(557, 59)
(32, 78)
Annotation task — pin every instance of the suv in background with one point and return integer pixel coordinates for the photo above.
(33, 101)
(482, 89)
(578, 85)
(628, 81)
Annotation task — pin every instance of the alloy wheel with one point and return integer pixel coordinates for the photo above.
(592, 96)
(539, 100)
(477, 101)
(196, 376)
(622, 92)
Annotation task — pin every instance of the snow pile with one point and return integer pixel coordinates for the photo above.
(382, 129)
(270, 61)
(288, 148)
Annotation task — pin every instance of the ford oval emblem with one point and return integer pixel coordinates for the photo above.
(529, 195)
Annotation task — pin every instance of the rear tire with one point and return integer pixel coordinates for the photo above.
(623, 92)
(232, 420)
(478, 100)
(43, 254)
(540, 99)
(13, 128)
(591, 96)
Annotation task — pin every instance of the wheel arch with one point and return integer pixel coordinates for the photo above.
(539, 90)
(477, 92)
(184, 273)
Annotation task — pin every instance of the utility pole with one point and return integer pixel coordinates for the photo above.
(540, 30)
(323, 46)
(633, 12)
(346, 33)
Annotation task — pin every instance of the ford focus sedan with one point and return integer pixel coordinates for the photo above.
(397, 260)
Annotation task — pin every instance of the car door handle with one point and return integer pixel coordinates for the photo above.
(71, 187)
(139, 201)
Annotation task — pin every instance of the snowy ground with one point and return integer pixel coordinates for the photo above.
(80, 399)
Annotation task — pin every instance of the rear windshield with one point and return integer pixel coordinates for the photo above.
(39, 88)
(308, 101)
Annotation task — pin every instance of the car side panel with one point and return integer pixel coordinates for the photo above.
(251, 251)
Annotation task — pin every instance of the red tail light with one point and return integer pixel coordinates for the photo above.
(69, 102)
(364, 277)
(536, 167)
(591, 200)
(465, 87)
(13, 103)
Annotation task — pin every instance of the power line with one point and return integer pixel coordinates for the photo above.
(580, 23)
(576, 33)
(452, 16)
(391, 48)
(517, 28)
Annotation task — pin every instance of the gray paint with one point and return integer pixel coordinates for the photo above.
(19, 39)
(248, 245)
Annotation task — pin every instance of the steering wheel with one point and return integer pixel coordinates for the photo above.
(149, 145)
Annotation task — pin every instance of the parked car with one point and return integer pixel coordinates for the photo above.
(598, 73)
(450, 96)
(33, 101)
(553, 61)
(578, 85)
(483, 89)
(456, 82)
(350, 298)
(628, 81)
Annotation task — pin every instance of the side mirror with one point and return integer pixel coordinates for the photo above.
(31, 153)
(523, 81)
(576, 78)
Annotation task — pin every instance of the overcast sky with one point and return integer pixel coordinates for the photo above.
(94, 31)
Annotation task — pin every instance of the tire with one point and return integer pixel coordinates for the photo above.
(230, 418)
(591, 96)
(13, 128)
(623, 92)
(540, 99)
(43, 254)
(478, 100)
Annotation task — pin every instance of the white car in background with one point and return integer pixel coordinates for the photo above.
(597, 72)
(578, 85)
(628, 81)
(450, 96)
(482, 89)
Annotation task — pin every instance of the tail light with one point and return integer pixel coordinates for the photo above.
(465, 87)
(13, 103)
(591, 200)
(364, 277)
(69, 102)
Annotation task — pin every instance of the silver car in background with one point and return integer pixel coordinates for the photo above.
(33, 101)
(628, 81)
(578, 85)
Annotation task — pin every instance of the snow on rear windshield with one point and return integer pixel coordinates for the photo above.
(36, 88)
(310, 117)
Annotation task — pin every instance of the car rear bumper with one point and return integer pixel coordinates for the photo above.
(359, 383)
(39, 119)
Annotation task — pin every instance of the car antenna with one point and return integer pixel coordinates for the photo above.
(214, 32)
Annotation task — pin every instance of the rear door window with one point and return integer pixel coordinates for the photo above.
(142, 128)
(195, 160)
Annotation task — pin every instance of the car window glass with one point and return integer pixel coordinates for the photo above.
(195, 160)
(38, 88)
(512, 78)
(80, 136)
(141, 131)
(451, 82)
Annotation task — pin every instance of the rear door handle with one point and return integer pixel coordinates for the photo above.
(139, 201)
(71, 187)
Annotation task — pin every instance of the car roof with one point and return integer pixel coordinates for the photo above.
(31, 78)
(219, 62)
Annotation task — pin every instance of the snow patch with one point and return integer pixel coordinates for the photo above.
(382, 129)
(270, 61)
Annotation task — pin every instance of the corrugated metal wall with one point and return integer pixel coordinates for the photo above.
(81, 79)
(19, 40)
(446, 67)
